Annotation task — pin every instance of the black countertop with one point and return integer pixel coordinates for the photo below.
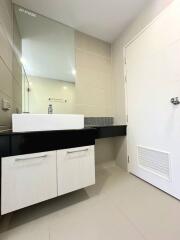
(110, 131)
(12, 143)
(11, 133)
(90, 127)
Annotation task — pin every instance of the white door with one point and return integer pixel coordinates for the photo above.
(75, 169)
(27, 179)
(153, 78)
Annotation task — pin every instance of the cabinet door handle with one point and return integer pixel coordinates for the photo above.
(76, 151)
(30, 158)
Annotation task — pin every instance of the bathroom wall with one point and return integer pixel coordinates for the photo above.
(17, 69)
(41, 89)
(6, 72)
(10, 83)
(91, 94)
(94, 97)
(149, 13)
(93, 84)
(94, 77)
(93, 80)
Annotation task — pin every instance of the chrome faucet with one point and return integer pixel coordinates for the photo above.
(50, 109)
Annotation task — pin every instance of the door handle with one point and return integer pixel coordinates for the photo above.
(175, 101)
(30, 158)
(76, 151)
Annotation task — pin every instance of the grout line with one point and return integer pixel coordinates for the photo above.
(6, 9)
(3, 93)
(13, 52)
(133, 224)
(93, 53)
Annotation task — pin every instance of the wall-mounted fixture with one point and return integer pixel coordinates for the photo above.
(5, 105)
(175, 101)
(61, 100)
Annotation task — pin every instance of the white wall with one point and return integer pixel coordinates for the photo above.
(149, 13)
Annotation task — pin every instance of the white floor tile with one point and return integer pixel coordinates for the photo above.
(119, 206)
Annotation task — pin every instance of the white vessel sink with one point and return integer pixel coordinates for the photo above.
(46, 122)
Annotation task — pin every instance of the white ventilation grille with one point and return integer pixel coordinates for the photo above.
(154, 161)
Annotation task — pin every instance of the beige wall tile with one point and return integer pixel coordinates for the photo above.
(6, 4)
(17, 43)
(93, 45)
(6, 18)
(92, 61)
(17, 70)
(42, 89)
(10, 89)
(90, 110)
(5, 79)
(87, 78)
(5, 50)
(94, 77)
(109, 111)
(5, 116)
(17, 95)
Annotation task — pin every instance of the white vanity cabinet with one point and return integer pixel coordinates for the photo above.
(33, 178)
(27, 180)
(75, 169)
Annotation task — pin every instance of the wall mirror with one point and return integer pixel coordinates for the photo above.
(46, 49)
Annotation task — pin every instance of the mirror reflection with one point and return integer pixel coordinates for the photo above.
(47, 52)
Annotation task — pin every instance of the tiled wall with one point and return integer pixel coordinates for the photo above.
(94, 86)
(6, 77)
(98, 121)
(10, 71)
(42, 89)
(94, 78)
(17, 69)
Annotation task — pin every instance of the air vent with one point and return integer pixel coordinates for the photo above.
(154, 161)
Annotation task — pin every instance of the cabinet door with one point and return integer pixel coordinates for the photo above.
(28, 179)
(75, 169)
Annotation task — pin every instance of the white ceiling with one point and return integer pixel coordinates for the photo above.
(104, 19)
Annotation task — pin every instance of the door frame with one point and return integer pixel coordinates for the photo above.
(136, 36)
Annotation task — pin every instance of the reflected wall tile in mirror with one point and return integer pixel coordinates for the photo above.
(94, 45)
(6, 18)
(62, 95)
(5, 79)
(5, 119)
(5, 49)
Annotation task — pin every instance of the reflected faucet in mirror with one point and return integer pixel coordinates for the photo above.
(50, 109)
